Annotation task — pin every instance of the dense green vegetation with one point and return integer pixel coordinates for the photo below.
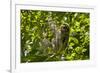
(37, 35)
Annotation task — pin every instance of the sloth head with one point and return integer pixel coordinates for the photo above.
(64, 28)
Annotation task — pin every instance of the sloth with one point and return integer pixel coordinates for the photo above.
(65, 35)
(59, 40)
(61, 37)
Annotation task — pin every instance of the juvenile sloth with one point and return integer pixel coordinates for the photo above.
(64, 35)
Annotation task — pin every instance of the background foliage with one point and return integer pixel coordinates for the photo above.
(36, 35)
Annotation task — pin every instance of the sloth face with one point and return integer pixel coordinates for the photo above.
(64, 29)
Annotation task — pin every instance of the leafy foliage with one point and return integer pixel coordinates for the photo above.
(37, 32)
